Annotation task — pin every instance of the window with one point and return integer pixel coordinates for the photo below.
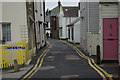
(6, 32)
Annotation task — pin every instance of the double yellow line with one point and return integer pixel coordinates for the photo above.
(37, 65)
(92, 63)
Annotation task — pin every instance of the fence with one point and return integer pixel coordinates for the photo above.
(12, 51)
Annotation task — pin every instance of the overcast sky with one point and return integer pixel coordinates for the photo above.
(50, 4)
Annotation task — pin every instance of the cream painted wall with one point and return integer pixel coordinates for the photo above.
(0, 20)
(14, 13)
(0, 32)
(0, 11)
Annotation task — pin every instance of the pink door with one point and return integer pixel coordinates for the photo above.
(110, 39)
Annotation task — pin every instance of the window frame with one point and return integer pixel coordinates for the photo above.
(6, 23)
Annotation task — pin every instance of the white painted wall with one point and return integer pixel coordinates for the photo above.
(76, 28)
(92, 42)
(48, 28)
(78, 13)
(64, 33)
(77, 32)
(40, 34)
(14, 13)
(65, 22)
(70, 27)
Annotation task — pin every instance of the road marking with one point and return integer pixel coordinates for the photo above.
(35, 65)
(39, 65)
(89, 61)
(110, 76)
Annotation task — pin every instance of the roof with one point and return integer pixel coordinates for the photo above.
(70, 11)
(75, 21)
(55, 11)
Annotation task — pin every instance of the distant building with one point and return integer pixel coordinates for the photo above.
(74, 31)
(67, 15)
(54, 21)
(47, 20)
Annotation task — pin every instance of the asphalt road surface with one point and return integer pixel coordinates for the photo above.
(62, 61)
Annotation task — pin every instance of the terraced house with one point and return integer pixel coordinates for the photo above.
(19, 22)
(66, 16)
(94, 22)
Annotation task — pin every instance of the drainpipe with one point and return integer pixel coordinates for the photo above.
(119, 35)
(44, 19)
(88, 18)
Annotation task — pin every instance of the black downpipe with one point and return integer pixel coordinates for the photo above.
(98, 54)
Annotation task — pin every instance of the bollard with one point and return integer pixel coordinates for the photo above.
(98, 54)
(16, 66)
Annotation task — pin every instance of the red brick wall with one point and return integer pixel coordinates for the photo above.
(54, 26)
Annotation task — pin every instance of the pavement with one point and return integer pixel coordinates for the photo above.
(12, 75)
(112, 67)
(61, 62)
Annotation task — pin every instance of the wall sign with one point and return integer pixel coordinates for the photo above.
(17, 47)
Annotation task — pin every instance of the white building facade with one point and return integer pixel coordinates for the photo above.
(74, 31)
(39, 23)
(65, 19)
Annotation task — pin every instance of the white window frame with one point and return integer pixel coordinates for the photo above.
(2, 31)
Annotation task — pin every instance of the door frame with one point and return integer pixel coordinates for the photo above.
(117, 36)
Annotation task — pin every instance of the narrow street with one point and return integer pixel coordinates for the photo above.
(60, 39)
(61, 61)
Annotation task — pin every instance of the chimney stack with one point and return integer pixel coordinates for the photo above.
(79, 5)
(59, 4)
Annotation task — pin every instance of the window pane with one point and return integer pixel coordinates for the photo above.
(6, 32)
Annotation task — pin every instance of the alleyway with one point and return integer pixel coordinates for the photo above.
(61, 61)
